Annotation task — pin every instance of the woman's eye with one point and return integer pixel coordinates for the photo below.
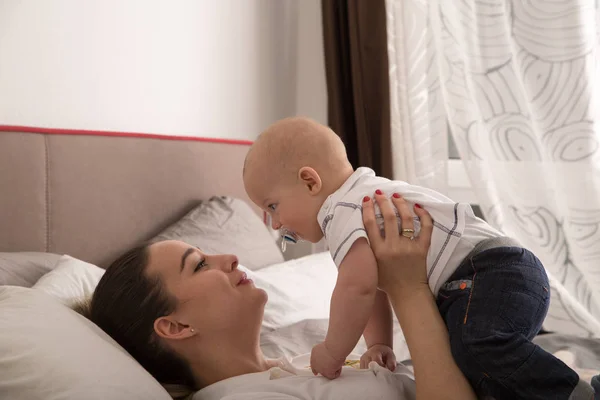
(272, 207)
(201, 264)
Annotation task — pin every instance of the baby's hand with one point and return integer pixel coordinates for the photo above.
(321, 362)
(381, 354)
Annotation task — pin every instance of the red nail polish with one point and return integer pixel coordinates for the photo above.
(366, 198)
(418, 206)
(396, 196)
(378, 191)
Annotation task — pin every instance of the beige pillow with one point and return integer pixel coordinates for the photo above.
(25, 268)
(226, 225)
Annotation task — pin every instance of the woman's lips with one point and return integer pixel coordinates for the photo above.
(244, 280)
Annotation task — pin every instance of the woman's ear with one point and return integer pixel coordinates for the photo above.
(310, 179)
(169, 328)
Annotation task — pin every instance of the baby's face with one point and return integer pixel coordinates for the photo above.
(289, 206)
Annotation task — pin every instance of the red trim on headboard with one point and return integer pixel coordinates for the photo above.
(59, 131)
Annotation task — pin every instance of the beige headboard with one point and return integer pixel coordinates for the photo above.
(94, 196)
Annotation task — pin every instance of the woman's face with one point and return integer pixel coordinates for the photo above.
(212, 295)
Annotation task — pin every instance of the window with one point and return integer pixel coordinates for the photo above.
(459, 186)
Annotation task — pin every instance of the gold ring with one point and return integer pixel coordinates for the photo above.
(409, 233)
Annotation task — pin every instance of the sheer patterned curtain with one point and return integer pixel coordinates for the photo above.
(517, 84)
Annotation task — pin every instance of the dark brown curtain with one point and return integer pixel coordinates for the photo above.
(356, 64)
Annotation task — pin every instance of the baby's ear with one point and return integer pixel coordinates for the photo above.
(310, 179)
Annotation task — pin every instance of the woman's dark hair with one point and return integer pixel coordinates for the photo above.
(125, 305)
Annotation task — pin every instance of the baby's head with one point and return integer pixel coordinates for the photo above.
(291, 169)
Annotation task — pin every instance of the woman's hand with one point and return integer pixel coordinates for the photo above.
(401, 261)
(402, 274)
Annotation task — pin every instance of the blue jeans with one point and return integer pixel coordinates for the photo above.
(493, 305)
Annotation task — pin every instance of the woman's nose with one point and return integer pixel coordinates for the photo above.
(224, 262)
(230, 262)
(234, 262)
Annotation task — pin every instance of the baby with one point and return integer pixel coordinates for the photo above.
(492, 293)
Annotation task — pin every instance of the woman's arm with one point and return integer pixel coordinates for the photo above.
(402, 271)
(436, 374)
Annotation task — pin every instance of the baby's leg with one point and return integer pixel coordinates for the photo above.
(492, 317)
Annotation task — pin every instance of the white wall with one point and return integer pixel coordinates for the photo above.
(213, 68)
(311, 89)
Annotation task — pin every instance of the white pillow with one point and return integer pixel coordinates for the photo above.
(297, 313)
(70, 280)
(298, 289)
(48, 351)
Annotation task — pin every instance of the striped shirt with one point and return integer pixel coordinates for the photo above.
(456, 228)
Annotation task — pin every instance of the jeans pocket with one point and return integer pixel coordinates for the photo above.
(524, 312)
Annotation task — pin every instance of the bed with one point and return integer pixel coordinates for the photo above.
(72, 201)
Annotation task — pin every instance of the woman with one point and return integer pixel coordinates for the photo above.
(195, 319)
